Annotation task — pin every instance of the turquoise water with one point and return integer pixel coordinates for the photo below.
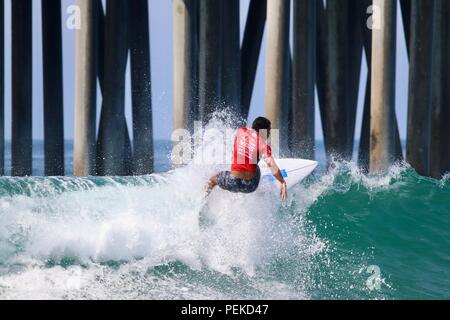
(341, 235)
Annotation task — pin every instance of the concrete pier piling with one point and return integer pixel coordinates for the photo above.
(419, 101)
(321, 65)
(185, 63)
(355, 52)
(128, 157)
(113, 135)
(139, 41)
(336, 80)
(210, 57)
(251, 47)
(405, 6)
(382, 132)
(336, 77)
(53, 88)
(84, 153)
(440, 110)
(277, 71)
(303, 79)
(364, 147)
(231, 57)
(214, 71)
(364, 142)
(21, 142)
(100, 43)
(2, 88)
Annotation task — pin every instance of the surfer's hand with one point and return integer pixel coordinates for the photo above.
(283, 192)
(211, 184)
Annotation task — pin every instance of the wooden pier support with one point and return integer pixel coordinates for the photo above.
(303, 79)
(21, 142)
(86, 90)
(53, 88)
(277, 66)
(382, 133)
(2, 87)
(231, 59)
(185, 63)
(419, 104)
(112, 130)
(251, 47)
(440, 118)
(210, 57)
(139, 40)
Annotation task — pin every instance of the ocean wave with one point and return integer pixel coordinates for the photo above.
(341, 234)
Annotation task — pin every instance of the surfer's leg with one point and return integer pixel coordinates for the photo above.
(249, 186)
(227, 181)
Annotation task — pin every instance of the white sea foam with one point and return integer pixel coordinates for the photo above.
(142, 223)
(106, 237)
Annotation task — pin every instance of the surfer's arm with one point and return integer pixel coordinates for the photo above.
(277, 174)
(266, 150)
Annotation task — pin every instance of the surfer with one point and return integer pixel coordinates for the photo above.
(245, 174)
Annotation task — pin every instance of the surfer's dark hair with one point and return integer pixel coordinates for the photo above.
(261, 123)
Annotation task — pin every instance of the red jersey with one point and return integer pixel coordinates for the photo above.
(248, 148)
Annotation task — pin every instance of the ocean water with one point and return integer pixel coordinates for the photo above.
(342, 234)
(162, 157)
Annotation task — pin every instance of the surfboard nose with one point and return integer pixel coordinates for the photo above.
(298, 162)
(293, 170)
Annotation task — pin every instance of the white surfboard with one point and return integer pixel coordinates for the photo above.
(293, 171)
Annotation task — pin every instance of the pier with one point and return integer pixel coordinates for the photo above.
(311, 46)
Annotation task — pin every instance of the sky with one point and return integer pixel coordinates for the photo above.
(160, 13)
